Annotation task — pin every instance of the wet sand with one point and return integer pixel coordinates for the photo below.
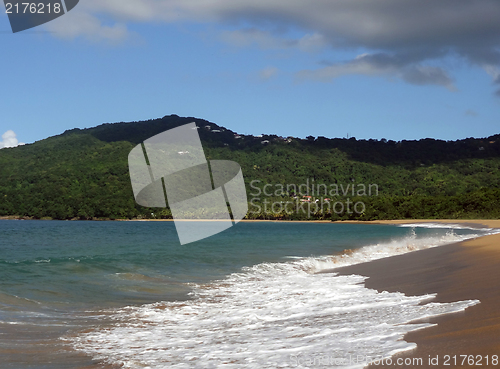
(467, 270)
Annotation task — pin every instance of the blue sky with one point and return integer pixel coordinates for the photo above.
(367, 68)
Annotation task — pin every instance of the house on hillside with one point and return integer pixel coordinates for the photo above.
(306, 199)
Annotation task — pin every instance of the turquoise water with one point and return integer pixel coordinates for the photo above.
(93, 263)
(64, 285)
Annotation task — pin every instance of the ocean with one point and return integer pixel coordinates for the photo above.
(127, 294)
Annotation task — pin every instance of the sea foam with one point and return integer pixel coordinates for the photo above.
(274, 315)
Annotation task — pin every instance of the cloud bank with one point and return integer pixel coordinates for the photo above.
(9, 139)
(404, 38)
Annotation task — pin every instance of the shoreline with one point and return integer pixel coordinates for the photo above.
(487, 223)
(467, 270)
(483, 223)
(15, 217)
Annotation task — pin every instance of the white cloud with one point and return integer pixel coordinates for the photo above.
(469, 27)
(413, 31)
(268, 73)
(382, 65)
(75, 24)
(492, 70)
(9, 139)
(357, 66)
(252, 36)
(312, 42)
(265, 39)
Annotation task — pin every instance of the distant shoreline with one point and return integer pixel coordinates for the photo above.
(489, 223)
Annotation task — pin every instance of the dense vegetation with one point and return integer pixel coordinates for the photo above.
(83, 174)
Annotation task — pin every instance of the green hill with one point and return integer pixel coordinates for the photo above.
(83, 173)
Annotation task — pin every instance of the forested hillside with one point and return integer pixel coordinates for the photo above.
(83, 174)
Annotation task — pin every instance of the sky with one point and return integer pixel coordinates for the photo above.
(394, 69)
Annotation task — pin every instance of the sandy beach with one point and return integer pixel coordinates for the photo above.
(463, 271)
(455, 272)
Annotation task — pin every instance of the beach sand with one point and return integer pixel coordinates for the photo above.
(467, 270)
